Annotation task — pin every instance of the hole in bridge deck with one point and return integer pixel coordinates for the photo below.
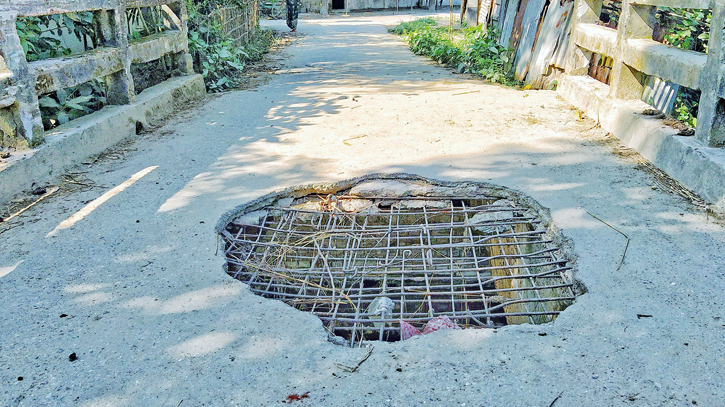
(374, 254)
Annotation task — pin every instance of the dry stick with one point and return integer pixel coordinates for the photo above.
(48, 193)
(353, 138)
(348, 369)
(7, 228)
(69, 179)
(620, 232)
(562, 392)
(464, 93)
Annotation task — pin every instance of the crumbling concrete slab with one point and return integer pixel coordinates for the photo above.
(70, 144)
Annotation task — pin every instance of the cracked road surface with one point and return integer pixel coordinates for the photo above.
(135, 289)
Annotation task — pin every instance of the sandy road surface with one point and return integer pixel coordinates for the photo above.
(135, 290)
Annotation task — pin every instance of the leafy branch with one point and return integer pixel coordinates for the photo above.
(41, 36)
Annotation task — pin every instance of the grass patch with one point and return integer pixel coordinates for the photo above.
(415, 25)
(474, 49)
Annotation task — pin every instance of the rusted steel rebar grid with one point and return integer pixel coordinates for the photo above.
(363, 264)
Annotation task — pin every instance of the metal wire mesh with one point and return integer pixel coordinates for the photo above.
(480, 261)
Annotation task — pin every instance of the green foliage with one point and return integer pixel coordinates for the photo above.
(217, 57)
(685, 107)
(686, 28)
(40, 37)
(35, 45)
(64, 105)
(415, 25)
(220, 61)
(475, 49)
(485, 57)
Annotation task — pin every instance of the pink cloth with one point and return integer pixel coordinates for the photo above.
(407, 330)
(440, 323)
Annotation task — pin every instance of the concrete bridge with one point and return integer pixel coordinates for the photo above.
(114, 295)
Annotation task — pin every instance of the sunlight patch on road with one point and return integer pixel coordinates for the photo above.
(555, 187)
(90, 294)
(192, 301)
(4, 271)
(78, 216)
(85, 288)
(205, 182)
(258, 348)
(94, 298)
(203, 344)
(470, 173)
(108, 401)
(575, 218)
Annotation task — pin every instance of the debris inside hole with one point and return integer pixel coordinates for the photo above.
(369, 255)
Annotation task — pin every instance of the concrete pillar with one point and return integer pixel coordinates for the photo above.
(26, 99)
(711, 110)
(120, 84)
(636, 22)
(183, 60)
(577, 59)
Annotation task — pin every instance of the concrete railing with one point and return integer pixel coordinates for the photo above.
(636, 56)
(22, 82)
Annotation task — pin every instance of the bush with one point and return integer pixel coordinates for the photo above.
(473, 49)
(415, 25)
(65, 105)
(216, 57)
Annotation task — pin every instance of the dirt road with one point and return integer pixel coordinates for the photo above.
(135, 290)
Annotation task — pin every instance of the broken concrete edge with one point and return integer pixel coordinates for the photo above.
(80, 139)
(699, 168)
(552, 232)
